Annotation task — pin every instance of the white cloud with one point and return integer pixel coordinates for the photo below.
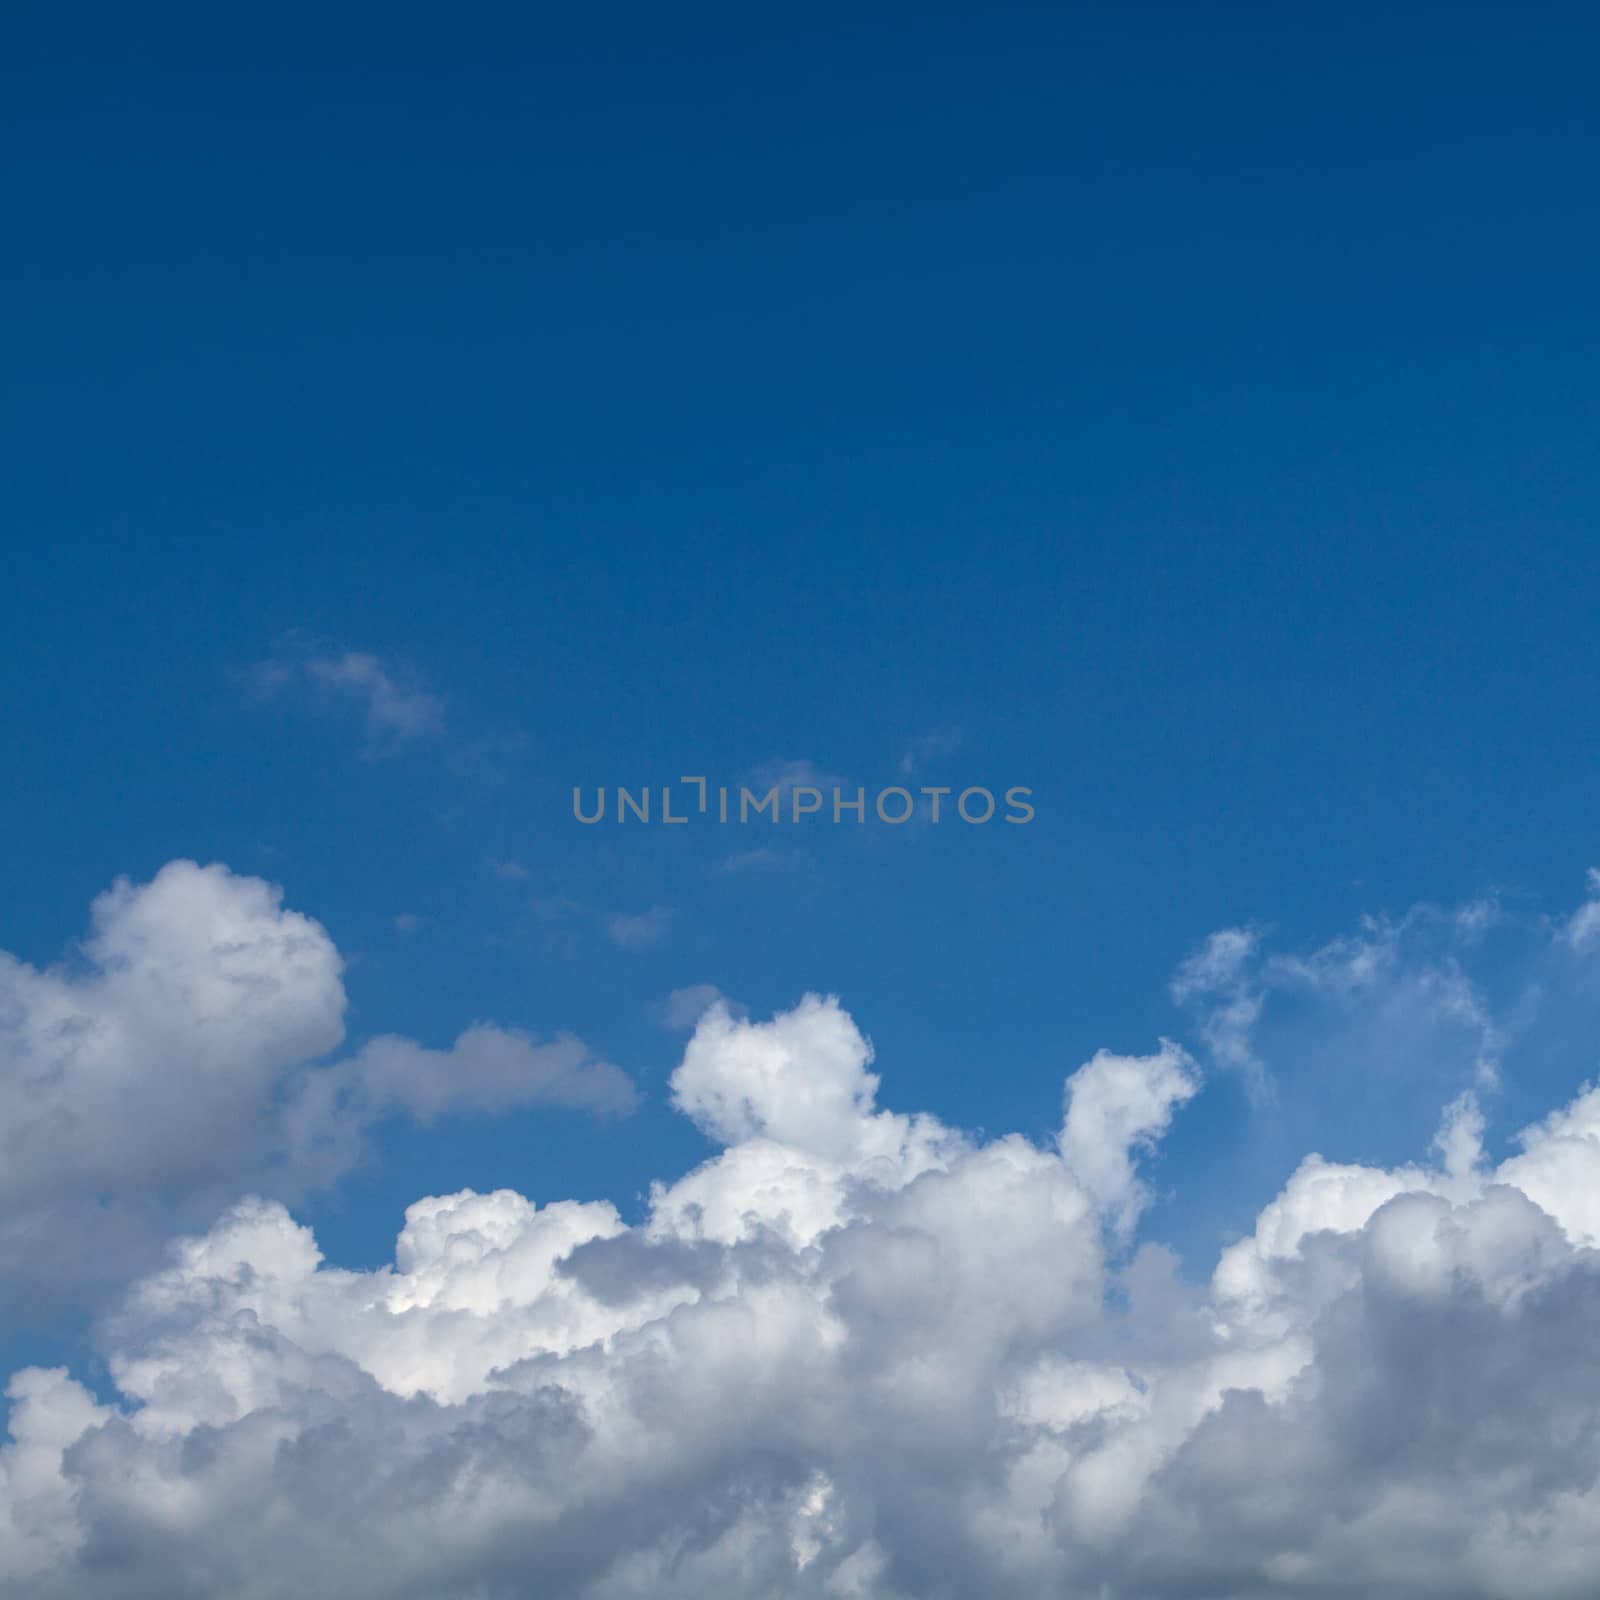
(858, 1353)
(1117, 1106)
(183, 1058)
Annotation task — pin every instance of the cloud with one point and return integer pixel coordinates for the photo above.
(753, 860)
(395, 708)
(183, 1058)
(1117, 1106)
(858, 1352)
(1582, 929)
(487, 1069)
(1408, 983)
(786, 776)
(1219, 978)
(683, 1008)
(927, 749)
(638, 931)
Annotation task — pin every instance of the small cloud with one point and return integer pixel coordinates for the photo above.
(264, 679)
(508, 871)
(640, 931)
(488, 1069)
(926, 749)
(396, 709)
(410, 922)
(787, 776)
(683, 1008)
(752, 860)
(1583, 927)
(491, 759)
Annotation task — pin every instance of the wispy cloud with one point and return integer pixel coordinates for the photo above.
(395, 708)
(1254, 1006)
(638, 931)
(759, 859)
(787, 776)
(683, 1008)
(925, 749)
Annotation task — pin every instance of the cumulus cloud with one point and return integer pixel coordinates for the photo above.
(1117, 1106)
(185, 1055)
(858, 1353)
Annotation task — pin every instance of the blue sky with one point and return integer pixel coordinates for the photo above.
(1188, 417)
(1186, 413)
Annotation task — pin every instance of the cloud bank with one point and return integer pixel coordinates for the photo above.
(856, 1353)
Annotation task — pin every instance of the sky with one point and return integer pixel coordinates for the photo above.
(1185, 415)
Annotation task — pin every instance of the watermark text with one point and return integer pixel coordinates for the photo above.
(695, 798)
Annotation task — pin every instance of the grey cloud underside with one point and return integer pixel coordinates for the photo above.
(858, 1354)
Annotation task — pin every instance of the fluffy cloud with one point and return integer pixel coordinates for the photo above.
(183, 1057)
(1117, 1105)
(856, 1353)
